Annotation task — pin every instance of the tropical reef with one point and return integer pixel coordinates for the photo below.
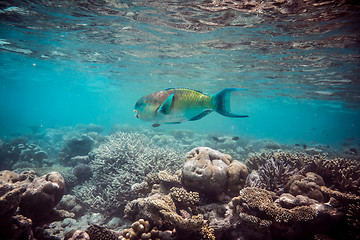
(155, 184)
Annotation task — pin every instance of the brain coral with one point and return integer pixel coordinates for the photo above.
(211, 171)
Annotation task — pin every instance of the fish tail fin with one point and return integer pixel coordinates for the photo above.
(221, 100)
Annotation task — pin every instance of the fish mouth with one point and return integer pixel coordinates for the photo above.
(136, 113)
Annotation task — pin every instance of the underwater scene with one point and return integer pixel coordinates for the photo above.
(174, 120)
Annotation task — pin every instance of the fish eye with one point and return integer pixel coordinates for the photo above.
(145, 101)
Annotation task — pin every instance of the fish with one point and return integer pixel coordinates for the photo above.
(177, 105)
(235, 138)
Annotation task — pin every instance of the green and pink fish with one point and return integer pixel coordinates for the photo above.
(177, 105)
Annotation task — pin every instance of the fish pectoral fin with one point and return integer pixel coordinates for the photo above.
(201, 115)
(166, 106)
(173, 122)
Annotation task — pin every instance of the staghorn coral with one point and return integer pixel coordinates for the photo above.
(82, 172)
(274, 174)
(118, 164)
(303, 162)
(353, 218)
(342, 174)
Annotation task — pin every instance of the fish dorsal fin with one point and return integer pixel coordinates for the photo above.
(183, 88)
(166, 106)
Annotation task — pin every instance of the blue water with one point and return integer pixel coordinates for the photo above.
(64, 64)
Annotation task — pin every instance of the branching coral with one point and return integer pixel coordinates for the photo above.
(340, 196)
(274, 174)
(342, 174)
(118, 164)
(353, 217)
(261, 201)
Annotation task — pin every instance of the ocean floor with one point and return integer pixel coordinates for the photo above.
(86, 182)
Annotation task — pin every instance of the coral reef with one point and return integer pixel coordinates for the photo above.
(140, 229)
(274, 174)
(77, 235)
(98, 232)
(75, 146)
(25, 198)
(82, 172)
(120, 162)
(306, 185)
(42, 194)
(290, 215)
(209, 171)
(342, 174)
(166, 211)
(20, 153)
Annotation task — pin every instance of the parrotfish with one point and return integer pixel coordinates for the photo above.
(177, 105)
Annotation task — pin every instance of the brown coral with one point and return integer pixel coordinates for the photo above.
(183, 197)
(261, 201)
(209, 171)
(98, 232)
(306, 185)
(140, 229)
(342, 174)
